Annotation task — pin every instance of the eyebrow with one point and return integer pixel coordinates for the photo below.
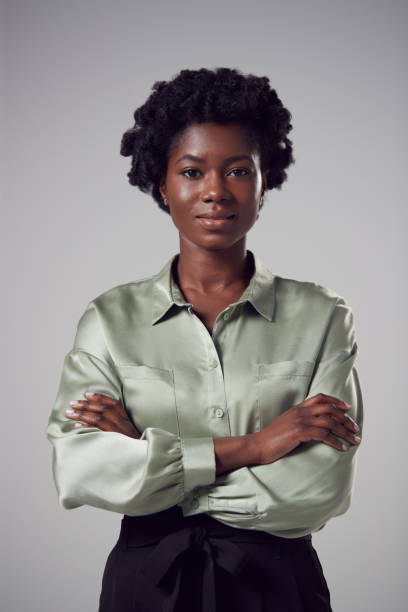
(228, 160)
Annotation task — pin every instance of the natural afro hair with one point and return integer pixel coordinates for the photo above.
(222, 95)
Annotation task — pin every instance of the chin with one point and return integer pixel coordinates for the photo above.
(213, 241)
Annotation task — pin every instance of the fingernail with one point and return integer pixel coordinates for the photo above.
(78, 425)
(71, 412)
(88, 393)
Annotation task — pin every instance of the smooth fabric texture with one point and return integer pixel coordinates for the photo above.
(284, 340)
(170, 563)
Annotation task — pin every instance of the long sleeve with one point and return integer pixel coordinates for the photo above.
(301, 491)
(110, 470)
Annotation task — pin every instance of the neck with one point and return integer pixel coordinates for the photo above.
(212, 271)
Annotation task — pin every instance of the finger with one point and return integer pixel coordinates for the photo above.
(115, 411)
(76, 416)
(81, 405)
(100, 397)
(321, 398)
(336, 413)
(323, 435)
(91, 417)
(80, 425)
(333, 426)
(83, 415)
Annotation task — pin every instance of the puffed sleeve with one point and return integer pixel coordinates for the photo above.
(301, 491)
(110, 470)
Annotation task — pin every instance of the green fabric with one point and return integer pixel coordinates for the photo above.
(284, 340)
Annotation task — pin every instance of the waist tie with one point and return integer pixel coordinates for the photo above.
(227, 554)
(176, 535)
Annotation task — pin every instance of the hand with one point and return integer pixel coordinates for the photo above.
(103, 412)
(321, 417)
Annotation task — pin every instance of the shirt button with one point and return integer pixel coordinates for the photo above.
(226, 316)
(195, 503)
(219, 412)
(214, 363)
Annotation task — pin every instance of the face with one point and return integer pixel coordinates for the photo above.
(213, 170)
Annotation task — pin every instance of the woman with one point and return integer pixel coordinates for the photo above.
(219, 396)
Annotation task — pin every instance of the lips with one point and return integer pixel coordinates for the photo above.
(209, 216)
(216, 222)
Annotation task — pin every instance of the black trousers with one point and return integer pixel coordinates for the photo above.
(166, 562)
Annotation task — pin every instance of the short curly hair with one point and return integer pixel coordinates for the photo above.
(222, 95)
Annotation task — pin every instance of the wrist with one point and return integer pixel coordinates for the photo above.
(253, 448)
(234, 452)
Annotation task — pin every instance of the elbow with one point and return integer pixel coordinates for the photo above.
(341, 496)
(67, 502)
(67, 494)
(341, 503)
(338, 501)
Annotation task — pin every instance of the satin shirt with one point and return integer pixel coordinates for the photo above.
(283, 341)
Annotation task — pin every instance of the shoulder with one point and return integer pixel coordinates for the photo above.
(111, 308)
(307, 293)
(124, 295)
(316, 308)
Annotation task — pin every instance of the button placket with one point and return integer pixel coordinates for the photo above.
(220, 413)
(216, 385)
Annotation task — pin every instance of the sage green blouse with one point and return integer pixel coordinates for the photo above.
(283, 341)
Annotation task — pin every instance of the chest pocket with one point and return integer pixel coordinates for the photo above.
(281, 385)
(149, 396)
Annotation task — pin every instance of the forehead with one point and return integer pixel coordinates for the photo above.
(202, 138)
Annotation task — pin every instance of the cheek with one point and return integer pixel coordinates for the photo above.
(183, 198)
(246, 192)
(180, 189)
(250, 216)
(181, 211)
(184, 191)
(249, 199)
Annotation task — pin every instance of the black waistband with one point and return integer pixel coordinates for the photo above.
(148, 529)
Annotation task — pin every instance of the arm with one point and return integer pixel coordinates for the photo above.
(107, 469)
(235, 452)
(301, 491)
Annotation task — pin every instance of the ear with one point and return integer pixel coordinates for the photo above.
(162, 188)
(264, 179)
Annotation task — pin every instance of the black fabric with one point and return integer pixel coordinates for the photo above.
(166, 562)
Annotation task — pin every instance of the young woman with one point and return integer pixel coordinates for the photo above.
(214, 404)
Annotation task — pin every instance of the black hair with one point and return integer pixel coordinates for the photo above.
(222, 95)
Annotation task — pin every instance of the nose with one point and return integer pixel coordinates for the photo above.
(214, 188)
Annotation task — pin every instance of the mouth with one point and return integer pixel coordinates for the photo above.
(215, 222)
(216, 217)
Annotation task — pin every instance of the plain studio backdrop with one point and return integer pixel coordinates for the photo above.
(72, 75)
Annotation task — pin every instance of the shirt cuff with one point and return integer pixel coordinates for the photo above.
(198, 462)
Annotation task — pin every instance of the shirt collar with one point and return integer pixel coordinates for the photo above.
(260, 292)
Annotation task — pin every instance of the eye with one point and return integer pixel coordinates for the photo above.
(190, 170)
(244, 171)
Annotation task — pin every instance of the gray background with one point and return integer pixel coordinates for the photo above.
(72, 75)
